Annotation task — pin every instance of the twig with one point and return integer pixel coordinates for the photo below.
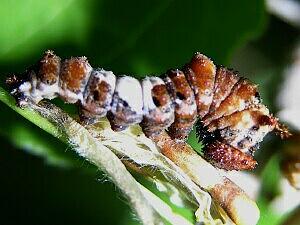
(234, 200)
(134, 146)
(93, 151)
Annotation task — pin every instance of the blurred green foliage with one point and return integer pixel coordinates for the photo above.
(129, 37)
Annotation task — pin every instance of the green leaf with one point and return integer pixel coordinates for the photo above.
(26, 136)
(30, 115)
(28, 26)
(164, 34)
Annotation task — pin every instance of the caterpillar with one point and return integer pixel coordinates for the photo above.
(230, 118)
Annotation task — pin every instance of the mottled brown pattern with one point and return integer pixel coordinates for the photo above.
(162, 116)
(156, 122)
(185, 105)
(232, 119)
(257, 116)
(121, 116)
(160, 93)
(102, 89)
(74, 73)
(224, 82)
(49, 68)
(227, 157)
(200, 73)
(99, 97)
(243, 95)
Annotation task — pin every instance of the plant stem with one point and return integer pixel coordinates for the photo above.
(93, 151)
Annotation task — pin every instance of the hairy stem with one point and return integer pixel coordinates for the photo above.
(227, 194)
(93, 151)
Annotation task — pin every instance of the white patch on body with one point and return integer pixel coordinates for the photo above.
(103, 76)
(70, 96)
(206, 98)
(109, 77)
(48, 91)
(147, 85)
(243, 129)
(129, 90)
(36, 90)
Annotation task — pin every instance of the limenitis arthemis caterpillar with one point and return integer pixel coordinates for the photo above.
(232, 121)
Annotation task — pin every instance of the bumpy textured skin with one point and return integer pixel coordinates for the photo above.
(244, 129)
(225, 156)
(74, 76)
(242, 95)
(200, 73)
(224, 82)
(97, 95)
(232, 120)
(158, 106)
(185, 105)
(49, 68)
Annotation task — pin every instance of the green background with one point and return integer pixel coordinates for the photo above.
(51, 185)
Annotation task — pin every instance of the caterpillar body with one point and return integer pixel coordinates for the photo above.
(232, 121)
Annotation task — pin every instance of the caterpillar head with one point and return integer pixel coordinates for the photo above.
(19, 88)
(238, 137)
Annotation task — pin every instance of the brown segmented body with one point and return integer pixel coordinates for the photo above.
(224, 82)
(160, 94)
(242, 96)
(49, 68)
(185, 105)
(200, 73)
(159, 112)
(244, 129)
(74, 73)
(74, 76)
(98, 95)
(231, 123)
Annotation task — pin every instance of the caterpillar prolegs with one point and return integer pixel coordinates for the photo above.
(231, 123)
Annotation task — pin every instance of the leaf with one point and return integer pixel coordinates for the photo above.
(32, 116)
(29, 26)
(136, 43)
(28, 137)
